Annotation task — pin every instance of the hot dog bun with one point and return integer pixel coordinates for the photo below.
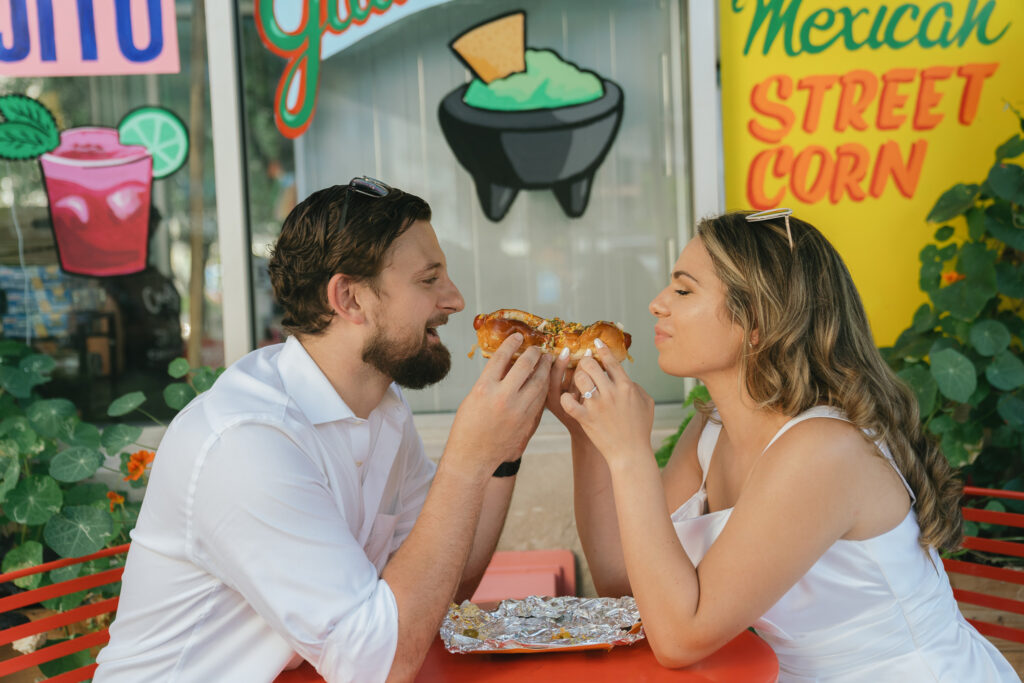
(551, 335)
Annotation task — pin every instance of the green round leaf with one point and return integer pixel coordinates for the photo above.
(1010, 279)
(116, 437)
(37, 362)
(989, 337)
(19, 429)
(178, 368)
(975, 224)
(944, 233)
(126, 404)
(1005, 372)
(16, 381)
(178, 395)
(78, 530)
(1013, 147)
(10, 470)
(75, 464)
(941, 424)
(204, 379)
(953, 202)
(965, 299)
(49, 417)
(34, 500)
(28, 554)
(954, 374)
(923, 385)
(1011, 409)
(84, 434)
(87, 493)
(924, 319)
(1007, 181)
(1000, 224)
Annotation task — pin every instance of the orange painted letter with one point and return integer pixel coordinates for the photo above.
(891, 99)
(760, 103)
(801, 170)
(852, 161)
(815, 87)
(927, 98)
(852, 106)
(759, 172)
(974, 76)
(905, 176)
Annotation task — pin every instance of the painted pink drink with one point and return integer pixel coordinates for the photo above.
(99, 201)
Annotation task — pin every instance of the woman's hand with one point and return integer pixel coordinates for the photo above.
(613, 411)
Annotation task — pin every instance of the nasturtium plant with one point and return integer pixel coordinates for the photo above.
(961, 354)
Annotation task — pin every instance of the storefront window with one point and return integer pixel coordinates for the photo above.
(577, 215)
(108, 257)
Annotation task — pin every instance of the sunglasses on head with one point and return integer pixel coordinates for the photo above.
(365, 185)
(772, 214)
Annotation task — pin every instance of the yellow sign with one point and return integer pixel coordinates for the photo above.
(859, 114)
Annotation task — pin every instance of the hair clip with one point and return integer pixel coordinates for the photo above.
(771, 214)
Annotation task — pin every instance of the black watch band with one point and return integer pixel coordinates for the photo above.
(508, 469)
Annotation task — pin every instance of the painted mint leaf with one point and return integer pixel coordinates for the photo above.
(953, 202)
(28, 554)
(20, 141)
(1005, 372)
(49, 417)
(1013, 147)
(954, 374)
(116, 437)
(923, 386)
(75, 464)
(1011, 409)
(34, 500)
(178, 395)
(178, 368)
(1007, 181)
(989, 337)
(78, 530)
(126, 404)
(21, 109)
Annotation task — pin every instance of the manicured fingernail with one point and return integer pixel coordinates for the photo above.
(589, 352)
(564, 353)
(598, 343)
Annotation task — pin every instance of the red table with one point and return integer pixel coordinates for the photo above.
(745, 659)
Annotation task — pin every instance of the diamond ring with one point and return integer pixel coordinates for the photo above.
(590, 393)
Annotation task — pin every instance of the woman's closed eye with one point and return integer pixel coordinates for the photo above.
(430, 281)
(682, 292)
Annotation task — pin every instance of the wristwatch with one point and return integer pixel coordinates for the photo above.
(508, 469)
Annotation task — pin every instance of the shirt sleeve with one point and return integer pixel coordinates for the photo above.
(262, 520)
(418, 476)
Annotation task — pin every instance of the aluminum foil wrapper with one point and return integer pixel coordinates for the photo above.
(542, 623)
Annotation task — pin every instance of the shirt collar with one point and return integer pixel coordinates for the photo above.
(312, 392)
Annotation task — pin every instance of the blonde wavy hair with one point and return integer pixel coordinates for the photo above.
(814, 347)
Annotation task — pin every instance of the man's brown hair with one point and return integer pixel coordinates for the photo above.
(313, 247)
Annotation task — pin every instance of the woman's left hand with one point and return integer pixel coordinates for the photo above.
(614, 411)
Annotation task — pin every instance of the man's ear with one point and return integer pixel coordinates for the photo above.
(344, 296)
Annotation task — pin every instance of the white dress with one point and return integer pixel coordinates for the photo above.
(875, 610)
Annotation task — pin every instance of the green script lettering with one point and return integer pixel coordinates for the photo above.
(821, 29)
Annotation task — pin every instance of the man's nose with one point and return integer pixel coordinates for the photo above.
(452, 300)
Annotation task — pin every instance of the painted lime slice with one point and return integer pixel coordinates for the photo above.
(161, 132)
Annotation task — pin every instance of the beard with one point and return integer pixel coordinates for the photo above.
(410, 365)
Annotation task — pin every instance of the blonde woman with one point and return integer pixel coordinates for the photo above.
(804, 499)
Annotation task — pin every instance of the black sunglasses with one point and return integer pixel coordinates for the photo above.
(371, 187)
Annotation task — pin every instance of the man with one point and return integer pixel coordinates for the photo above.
(291, 512)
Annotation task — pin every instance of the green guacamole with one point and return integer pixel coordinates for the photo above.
(548, 82)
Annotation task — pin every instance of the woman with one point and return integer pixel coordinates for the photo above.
(803, 499)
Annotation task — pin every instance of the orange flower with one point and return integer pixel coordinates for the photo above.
(137, 464)
(953, 276)
(115, 499)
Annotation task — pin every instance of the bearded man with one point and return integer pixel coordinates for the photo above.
(291, 512)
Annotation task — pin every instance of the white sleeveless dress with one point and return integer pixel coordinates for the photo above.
(875, 610)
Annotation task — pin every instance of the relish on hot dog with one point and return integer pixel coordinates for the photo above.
(550, 334)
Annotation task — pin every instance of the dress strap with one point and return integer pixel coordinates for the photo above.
(706, 444)
(816, 411)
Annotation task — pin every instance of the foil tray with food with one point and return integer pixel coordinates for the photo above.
(542, 624)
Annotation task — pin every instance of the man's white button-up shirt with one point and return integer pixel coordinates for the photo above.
(270, 512)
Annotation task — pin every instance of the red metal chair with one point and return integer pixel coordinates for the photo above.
(990, 623)
(62, 619)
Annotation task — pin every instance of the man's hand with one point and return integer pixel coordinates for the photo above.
(501, 412)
